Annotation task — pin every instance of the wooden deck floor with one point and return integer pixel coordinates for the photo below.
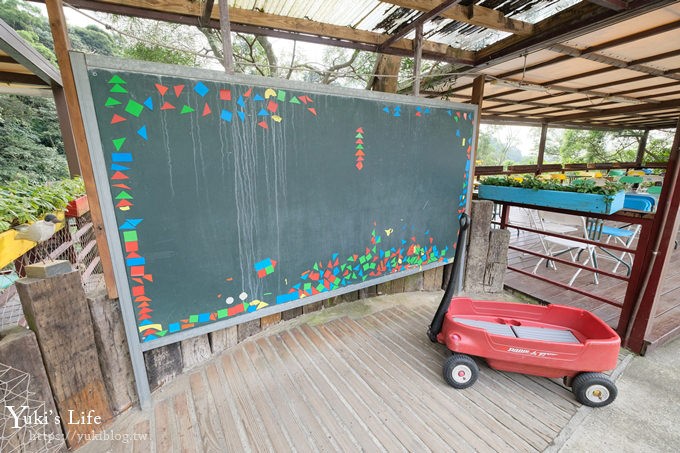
(368, 382)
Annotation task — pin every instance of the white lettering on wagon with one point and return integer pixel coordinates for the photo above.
(532, 352)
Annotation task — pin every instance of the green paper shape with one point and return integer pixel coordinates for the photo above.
(130, 236)
(110, 102)
(118, 89)
(294, 100)
(193, 319)
(134, 108)
(118, 142)
(186, 109)
(246, 305)
(360, 146)
(116, 79)
(161, 333)
(223, 313)
(281, 96)
(123, 195)
(359, 135)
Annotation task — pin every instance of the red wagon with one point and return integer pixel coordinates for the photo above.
(552, 341)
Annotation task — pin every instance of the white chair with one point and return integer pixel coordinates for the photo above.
(555, 246)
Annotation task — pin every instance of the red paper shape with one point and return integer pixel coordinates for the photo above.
(167, 106)
(225, 95)
(263, 125)
(162, 89)
(119, 175)
(178, 89)
(117, 119)
(272, 106)
(206, 109)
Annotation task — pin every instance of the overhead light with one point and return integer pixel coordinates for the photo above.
(520, 85)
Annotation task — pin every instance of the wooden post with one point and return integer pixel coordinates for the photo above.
(418, 51)
(114, 355)
(221, 340)
(541, 148)
(225, 29)
(163, 364)
(478, 248)
(496, 261)
(56, 310)
(386, 70)
(55, 13)
(664, 230)
(195, 351)
(641, 149)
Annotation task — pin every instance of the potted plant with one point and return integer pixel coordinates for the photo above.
(582, 195)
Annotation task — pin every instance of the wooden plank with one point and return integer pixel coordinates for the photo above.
(259, 435)
(163, 364)
(281, 398)
(223, 339)
(231, 422)
(143, 442)
(267, 321)
(384, 377)
(477, 422)
(195, 352)
(186, 431)
(207, 418)
(56, 310)
(367, 419)
(310, 308)
(294, 389)
(487, 400)
(248, 329)
(333, 411)
(291, 314)
(55, 13)
(113, 352)
(166, 431)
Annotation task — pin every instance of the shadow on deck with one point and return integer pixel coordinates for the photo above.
(366, 380)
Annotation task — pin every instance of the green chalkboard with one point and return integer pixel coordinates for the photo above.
(237, 197)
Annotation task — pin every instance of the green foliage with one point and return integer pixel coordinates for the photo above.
(150, 52)
(22, 201)
(30, 140)
(93, 39)
(532, 182)
(588, 146)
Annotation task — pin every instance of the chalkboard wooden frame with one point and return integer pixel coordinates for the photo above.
(81, 65)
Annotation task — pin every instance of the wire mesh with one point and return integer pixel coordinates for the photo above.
(75, 243)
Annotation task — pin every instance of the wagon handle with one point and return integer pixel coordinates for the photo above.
(455, 281)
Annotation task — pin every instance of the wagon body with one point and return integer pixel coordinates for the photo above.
(551, 341)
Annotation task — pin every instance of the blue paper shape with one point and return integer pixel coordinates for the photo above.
(226, 115)
(201, 89)
(149, 103)
(142, 133)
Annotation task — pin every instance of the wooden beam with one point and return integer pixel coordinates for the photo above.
(188, 12)
(541, 148)
(616, 5)
(474, 15)
(419, 22)
(674, 104)
(386, 72)
(55, 13)
(478, 100)
(24, 79)
(615, 63)
(418, 57)
(225, 31)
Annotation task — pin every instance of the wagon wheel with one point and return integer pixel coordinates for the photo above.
(594, 389)
(460, 371)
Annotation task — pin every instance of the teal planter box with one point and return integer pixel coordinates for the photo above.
(573, 201)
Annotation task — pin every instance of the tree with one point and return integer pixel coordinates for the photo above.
(588, 146)
(30, 142)
(498, 145)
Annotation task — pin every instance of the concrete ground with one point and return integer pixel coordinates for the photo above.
(645, 416)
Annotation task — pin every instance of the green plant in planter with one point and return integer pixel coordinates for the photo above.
(22, 201)
(531, 182)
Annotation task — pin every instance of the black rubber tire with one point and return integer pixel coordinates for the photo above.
(594, 389)
(460, 371)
